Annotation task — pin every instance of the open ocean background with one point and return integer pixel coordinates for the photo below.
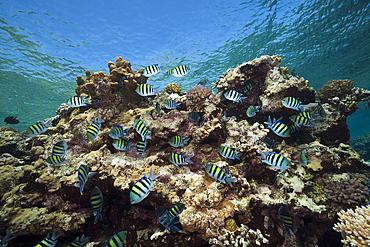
(46, 44)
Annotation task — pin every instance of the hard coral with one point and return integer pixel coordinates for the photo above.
(197, 94)
(347, 191)
(335, 88)
(354, 226)
(172, 88)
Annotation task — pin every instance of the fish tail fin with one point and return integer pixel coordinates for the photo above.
(263, 155)
(152, 176)
(48, 124)
(54, 236)
(269, 122)
(98, 215)
(301, 107)
(86, 101)
(175, 229)
(257, 108)
(141, 156)
(188, 159)
(186, 140)
(237, 156)
(229, 180)
(100, 120)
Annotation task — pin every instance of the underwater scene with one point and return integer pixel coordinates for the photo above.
(184, 123)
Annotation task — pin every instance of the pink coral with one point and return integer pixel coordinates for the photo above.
(197, 94)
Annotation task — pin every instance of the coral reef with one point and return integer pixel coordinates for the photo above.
(335, 88)
(37, 198)
(362, 146)
(354, 226)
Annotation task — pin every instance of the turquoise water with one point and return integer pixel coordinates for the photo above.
(45, 45)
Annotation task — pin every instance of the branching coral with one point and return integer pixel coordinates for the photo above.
(354, 226)
(346, 191)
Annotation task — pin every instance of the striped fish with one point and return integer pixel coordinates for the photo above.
(217, 173)
(151, 70)
(300, 120)
(55, 160)
(293, 103)
(248, 87)
(6, 239)
(178, 141)
(93, 129)
(96, 200)
(278, 127)
(294, 127)
(286, 220)
(171, 104)
(169, 73)
(145, 90)
(179, 159)
(49, 241)
(306, 114)
(141, 188)
(122, 145)
(228, 153)
(165, 220)
(274, 160)
(37, 129)
(140, 148)
(180, 71)
(77, 101)
(117, 240)
(78, 242)
(233, 96)
(60, 148)
(141, 129)
(118, 131)
(176, 210)
(251, 111)
(320, 109)
(83, 175)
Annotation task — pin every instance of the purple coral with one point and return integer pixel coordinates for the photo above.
(348, 191)
(197, 94)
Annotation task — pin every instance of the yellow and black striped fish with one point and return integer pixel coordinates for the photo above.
(228, 153)
(293, 103)
(294, 127)
(117, 240)
(49, 241)
(171, 104)
(320, 109)
(178, 141)
(278, 127)
(275, 160)
(60, 148)
(55, 160)
(234, 96)
(217, 173)
(180, 71)
(248, 87)
(176, 210)
(179, 159)
(83, 175)
(122, 145)
(96, 200)
(140, 148)
(306, 114)
(286, 220)
(93, 129)
(141, 129)
(141, 188)
(151, 70)
(301, 120)
(79, 242)
(77, 101)
(145, 90)
(36, 129)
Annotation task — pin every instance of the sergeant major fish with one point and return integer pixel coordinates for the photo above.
(171, 104)
(233, 96)
(141, 189)
(278, 127)
(176, 210)
(286, 220)
(251, 111)
(294, 128)
(228, 153)
(117, 240)
(179, 159)
(178, 141)
(301, 120)
(293, 103)
(217, 173)
(274, 160)
(60, 148)
(37, 129)
(83, 175)
(320, 109)
(151, 70)
(76, 101)
(145, 90)
(122, 145)
(93, 129)
(96, 200)
(79, 241)
(141, 129)
(49, 241)
(118, 131)
(55, 160)
(165, 220)
(140, 148)
(306, 114)
(179, 71)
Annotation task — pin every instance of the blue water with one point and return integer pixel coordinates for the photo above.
(46, 44)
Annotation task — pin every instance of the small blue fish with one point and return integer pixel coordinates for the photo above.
(176, 210)
(217, 173)
(178, 141)
(145, 90)
(293, 103)
(171, 104)
(228, 153)
(141, 188)
(321, 110)
(165, 220)
(60, 148)
(233, 96)
(118, 131)
(278, 127)
(193, 117)
(294, 127)
(37, 129)
(6, 239)
(49, 241)
(77, 101)
(141, 129)
(140, 148)
(93, 129)
(151, 70)
(251, 111)
(83, 175)
(55, 160)
(179, 159)
(286, 220)
(117, 240)
(122, 145)
(96, 200)
(301, 121)
(275, 160)
(79, 242)
(302, 158)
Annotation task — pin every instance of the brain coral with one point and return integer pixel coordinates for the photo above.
(173, 88)
(346, 191)
(198, 93)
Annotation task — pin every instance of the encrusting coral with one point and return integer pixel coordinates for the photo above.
(348, 191)
(354, 226)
